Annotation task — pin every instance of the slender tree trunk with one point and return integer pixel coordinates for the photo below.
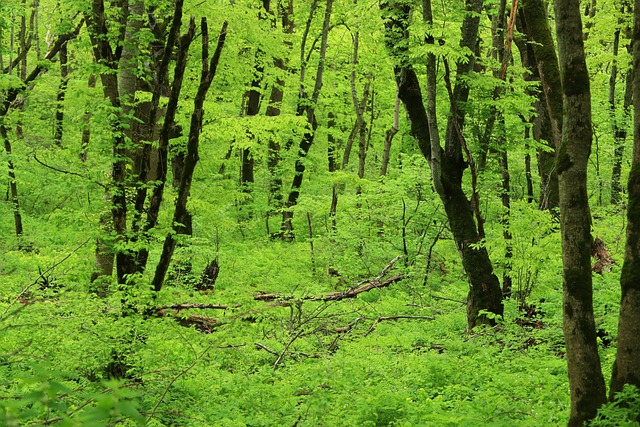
(103, 261)
(62, 91)
(273, 110)
(627, 365)
(13, 186)
(619, 126)
(307, 139)
(388, 137)
(192, 157)
(104, 54)
(169, 128)
(86, 124)
(538, 31)
(252, 109)
(585, 375)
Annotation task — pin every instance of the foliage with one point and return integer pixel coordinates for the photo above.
(75, 352)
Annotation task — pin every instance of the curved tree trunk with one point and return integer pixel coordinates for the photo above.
(307, 139)
(585, 375)
(192, 156)
(627, 365)
(448, 164)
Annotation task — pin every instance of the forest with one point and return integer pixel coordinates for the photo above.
(320, 213)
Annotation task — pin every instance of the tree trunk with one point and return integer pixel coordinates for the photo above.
(273, 110)
(619, 126)
(538, 32)
(86, 124)
(169, 128)
(191, 158)
(388, 137)
(13, 186)
(585, 375)
(447, 166)
(627, 365)
(62, 91)
(306, 107)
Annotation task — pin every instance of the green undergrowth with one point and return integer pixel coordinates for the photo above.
(75, 354)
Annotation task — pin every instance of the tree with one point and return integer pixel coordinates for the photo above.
(585, 375)
(627, 364)
(448, 164)
(307, 108)
(208, 72)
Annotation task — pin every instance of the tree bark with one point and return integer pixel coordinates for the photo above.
(619, 126)
(585, 375)
(306, 107)
(447, 165)
(62, 91)
(13, 186)
(627, 365)
(388, 137)
(273, 110)
(538, 31)
(191, 158)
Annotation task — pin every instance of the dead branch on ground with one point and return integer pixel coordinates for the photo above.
(400, 316)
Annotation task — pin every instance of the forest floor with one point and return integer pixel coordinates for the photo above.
(317, 350)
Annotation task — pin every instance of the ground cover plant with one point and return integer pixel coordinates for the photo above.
(287, 213)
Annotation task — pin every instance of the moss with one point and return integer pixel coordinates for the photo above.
(563, 160)
(576, 78)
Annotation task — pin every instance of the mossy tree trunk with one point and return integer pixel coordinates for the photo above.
(627, 365)
(536, 24)
(448, 164)
(586, 382)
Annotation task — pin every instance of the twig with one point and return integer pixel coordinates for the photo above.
(42, 276)
(174, 379)
(265, 348)
(286, 347)
(399, 316)
(67, 172)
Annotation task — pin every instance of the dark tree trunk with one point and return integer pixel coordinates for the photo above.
(306, 107)
(191, 158)
(619, 126)
(273, 110)
(62, 91)
(13, 186)
(537, 28)
(586, 382)
(103, 262)
(447, 166)
(169, 128)
(254, 97)
(388, 137)
(108, 57)
(627, 365)
(86, 124)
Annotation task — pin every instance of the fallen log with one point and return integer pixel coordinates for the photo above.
(179, 307)
(353, 292)
(399, 316)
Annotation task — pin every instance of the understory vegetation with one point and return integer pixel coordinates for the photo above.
(68, 356)
(301, 213)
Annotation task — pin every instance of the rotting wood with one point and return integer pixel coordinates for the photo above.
(603, 258)
(179, 307)
(399, 316)
(335, 296)
(353, 292)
